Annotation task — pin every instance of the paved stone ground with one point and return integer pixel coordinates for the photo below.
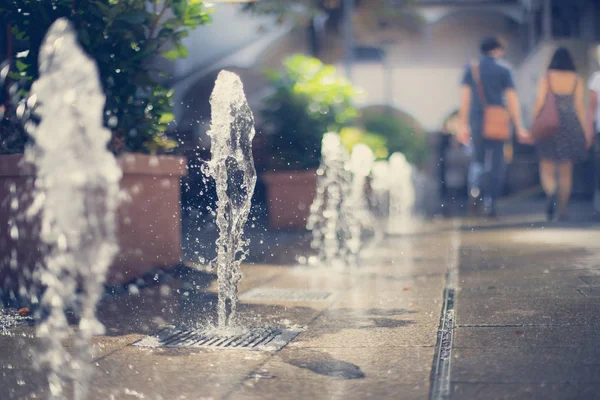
(525, 323)
(527, 309)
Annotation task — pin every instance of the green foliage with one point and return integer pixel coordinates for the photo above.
(352, 136)
(309, 99)
(400, 135)
(124, 37)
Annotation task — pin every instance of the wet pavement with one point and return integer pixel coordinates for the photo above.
(522, 297)
(527, 310)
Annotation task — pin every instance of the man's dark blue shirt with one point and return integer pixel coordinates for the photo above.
(496, 78)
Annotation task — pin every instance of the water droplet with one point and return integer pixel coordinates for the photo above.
(20, 110)
(14, 232)
(113, 122)
(133, 290)
(32, 101)
(4, 69)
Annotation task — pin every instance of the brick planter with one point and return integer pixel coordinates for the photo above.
(149, 219)
(289, 196)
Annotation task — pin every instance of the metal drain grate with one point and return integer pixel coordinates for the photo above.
(275, 294)
(10, 318)
(265, 339)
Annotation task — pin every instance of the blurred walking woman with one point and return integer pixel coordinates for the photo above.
(566, 145)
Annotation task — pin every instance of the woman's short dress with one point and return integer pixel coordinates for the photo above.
(569, 142)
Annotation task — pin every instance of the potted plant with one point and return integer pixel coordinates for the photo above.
(127, 39)
(309, 99)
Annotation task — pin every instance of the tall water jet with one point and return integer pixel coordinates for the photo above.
(402, 194)
(333, 184)
(381, 182)
(356, 207)
(232, 168)
(77, 195)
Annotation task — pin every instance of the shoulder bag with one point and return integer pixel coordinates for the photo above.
(496, 119)
(547, 122)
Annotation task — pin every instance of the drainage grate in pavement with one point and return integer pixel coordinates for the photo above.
(276, 294)
(265, 339)
(10, 318)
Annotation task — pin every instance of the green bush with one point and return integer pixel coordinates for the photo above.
(352, 136)
(309, 99)
(124, 37)
(400, 136)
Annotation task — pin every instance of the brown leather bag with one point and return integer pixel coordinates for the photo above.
(547, 122)
(496, 119)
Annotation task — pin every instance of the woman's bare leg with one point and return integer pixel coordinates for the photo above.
(565, 185)
(548, 177)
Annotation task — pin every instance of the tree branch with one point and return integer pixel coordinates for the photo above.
(158, 18)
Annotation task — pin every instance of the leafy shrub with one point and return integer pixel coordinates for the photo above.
(400, 135)
(352, 136)
(309, 99)
(124, 37)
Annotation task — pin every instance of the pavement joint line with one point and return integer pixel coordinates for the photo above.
(262, 283)
(442, 362)
(515, 326)
(416, 346)
(528, 382)
(110, 353)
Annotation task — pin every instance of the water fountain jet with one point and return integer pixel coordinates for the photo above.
(356, 208)
(333, 184)
(232, 168)
(381, 182)
(402, 194)
(77, 192)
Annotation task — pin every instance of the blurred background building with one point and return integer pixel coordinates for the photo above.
(408, 56)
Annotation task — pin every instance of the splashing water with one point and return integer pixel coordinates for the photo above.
(333, 185)
(381, 181)
(77, 191)
(356, 207)
(18, 257)
(232, 168)
(402, 194)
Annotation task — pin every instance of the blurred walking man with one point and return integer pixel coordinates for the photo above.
(488, 84)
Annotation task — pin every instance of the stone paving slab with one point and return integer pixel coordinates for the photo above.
(524, 326)
(482, 309)
(341, 373)
(517, 278)
(576, 337)
(516, 365)
(406, 364)
(511, 391)
(277, 389)
(20, 383)
(395, 334)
